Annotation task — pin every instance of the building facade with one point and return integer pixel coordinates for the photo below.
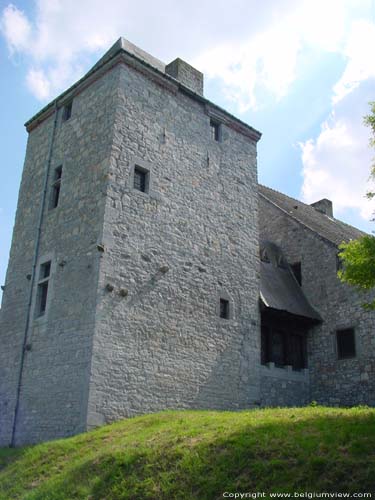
(341, 348)
(137, 218)
(134, 275)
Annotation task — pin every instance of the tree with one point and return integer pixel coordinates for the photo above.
(369, 120)
(358, 256)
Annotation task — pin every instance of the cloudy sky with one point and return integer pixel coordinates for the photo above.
(301, 72)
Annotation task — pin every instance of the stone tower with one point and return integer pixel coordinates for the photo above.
(133, 278)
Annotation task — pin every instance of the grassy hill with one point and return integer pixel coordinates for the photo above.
(200, 455)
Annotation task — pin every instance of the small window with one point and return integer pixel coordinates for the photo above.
(141, 179)
(45, 270)
(345, 343)
(297, 271)
(42, 290)
(55, 188)
(215, 130)
(67, 111)
(224, 308)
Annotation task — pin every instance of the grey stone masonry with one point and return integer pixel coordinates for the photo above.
(283, 386)
(56, 367)
(333, 381)
(186, 74)
(176, 250)
(133, 282)
(324, 206)
(125, 283)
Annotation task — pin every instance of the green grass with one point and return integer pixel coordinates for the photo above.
(199, 455)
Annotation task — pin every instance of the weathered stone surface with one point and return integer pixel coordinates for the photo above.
(54, 390)
(164, 345)
(96, 355)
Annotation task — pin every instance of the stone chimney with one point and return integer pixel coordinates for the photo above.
(186, 74)
(324, 206)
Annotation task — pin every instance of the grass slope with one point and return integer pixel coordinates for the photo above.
(199, 455)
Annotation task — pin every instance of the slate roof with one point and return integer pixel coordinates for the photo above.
(279, 289)
(327, 227)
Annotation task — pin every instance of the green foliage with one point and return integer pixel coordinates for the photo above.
(369, 120)
(358, 258)
(199, 455)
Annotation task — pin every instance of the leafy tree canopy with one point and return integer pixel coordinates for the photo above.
(358, 256)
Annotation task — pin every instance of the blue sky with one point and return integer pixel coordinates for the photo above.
(302, 72)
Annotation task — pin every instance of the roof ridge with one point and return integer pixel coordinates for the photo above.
(292, 216)
(294, 199)
(332, 219)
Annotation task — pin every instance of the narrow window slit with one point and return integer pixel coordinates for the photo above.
(56, 187)
(224, 308)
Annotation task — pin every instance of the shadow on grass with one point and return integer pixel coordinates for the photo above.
(316, 454)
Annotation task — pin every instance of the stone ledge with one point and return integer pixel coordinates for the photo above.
(285, 373)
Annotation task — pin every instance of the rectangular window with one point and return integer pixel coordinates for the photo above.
(42, 290)
(345, 343)
(45, 270)
(297, 271)
(42, 298)
(215, 130)
(224, 308)
(141, 179)
(55, 188)
(67, 111)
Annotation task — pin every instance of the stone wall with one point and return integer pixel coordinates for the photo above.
(333, 381)
(174, 251)
(283, 386)
(54, 391)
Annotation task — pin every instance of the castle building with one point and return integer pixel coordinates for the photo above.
(149, 270)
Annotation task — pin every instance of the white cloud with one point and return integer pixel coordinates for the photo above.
(361, 62)
(259, 62)
(38, 83)
(336, 165)
(16, 28)
(251, 47)
(268, 60)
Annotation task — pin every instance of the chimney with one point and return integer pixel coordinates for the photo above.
(324, 206)
(186, 74)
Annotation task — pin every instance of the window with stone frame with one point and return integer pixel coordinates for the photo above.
(224, 311)
(42, 288)
(141, 179)
(67, 111)
(215, 130)
(345, 339)
(55, 187)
